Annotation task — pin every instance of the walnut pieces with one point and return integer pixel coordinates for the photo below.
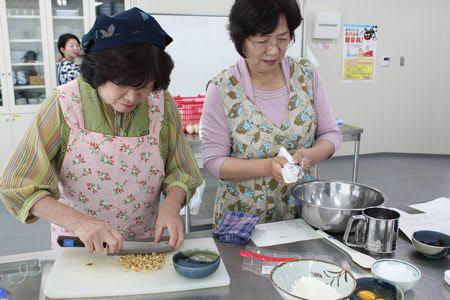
(142, 262)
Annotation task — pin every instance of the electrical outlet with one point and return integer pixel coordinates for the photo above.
(385, 61)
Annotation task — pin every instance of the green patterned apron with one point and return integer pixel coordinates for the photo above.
(255, 137)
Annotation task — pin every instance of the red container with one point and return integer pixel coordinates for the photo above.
(190, 109)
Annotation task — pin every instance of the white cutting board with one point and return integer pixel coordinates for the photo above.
(71, 277)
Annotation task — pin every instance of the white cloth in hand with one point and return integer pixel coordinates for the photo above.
(290, 170)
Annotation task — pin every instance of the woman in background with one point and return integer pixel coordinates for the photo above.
(69, 47)
(265, 101)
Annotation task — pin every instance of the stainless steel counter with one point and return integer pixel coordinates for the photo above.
(349, 134)
(246, 285)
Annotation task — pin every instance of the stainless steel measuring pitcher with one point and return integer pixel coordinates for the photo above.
(376, 230)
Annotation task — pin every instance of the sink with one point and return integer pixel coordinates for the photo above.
(22, 279)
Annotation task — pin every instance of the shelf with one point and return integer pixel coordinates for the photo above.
(23, 17)
(26, 64)
(28, 87)
(25, 41)
(68, 17)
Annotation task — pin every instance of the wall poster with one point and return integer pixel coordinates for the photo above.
(360, 41)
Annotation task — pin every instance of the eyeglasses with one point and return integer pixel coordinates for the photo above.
(282, 44)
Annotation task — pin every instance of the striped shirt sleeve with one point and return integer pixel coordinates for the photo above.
(180, 167)
(29, 173)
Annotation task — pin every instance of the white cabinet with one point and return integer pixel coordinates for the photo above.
(12, 129)
(19, 125)
(29, 30)
(75, 17)
(3, 89)
(25, 55)
(6, 139)
(24, 68)
(107, 7)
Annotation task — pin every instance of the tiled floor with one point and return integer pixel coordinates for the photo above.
(415, 177)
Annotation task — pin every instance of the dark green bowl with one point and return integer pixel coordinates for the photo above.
(381, 288)
(196, 263)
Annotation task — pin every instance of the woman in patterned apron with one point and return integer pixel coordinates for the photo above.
(264, 102)
(105, 145)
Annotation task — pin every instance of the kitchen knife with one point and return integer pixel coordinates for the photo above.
(128, 247)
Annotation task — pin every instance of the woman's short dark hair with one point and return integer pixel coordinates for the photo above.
(134, 65)
(63, 39)
(251, 17)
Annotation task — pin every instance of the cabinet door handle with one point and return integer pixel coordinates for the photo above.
(9, 73)
(7, 120)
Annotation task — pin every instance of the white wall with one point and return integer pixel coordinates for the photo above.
(202, 47)
(417, 86)
(189, 7)
(442, 134)
(407, 108)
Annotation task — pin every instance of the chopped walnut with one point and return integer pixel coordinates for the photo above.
(142, 262)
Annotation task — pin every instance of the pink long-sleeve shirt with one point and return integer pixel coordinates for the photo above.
(216, 140)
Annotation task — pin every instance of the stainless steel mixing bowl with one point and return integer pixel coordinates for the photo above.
(328, 204)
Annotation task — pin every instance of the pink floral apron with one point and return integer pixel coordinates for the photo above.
(111, 178)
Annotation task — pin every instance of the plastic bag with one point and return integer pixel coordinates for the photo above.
(262, 261)
(196, 200)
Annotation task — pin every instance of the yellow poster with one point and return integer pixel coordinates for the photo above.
(359, 53)
(358, 69)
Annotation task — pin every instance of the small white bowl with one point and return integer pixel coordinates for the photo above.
(381, 267)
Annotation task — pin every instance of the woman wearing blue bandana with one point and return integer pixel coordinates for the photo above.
(104, 146)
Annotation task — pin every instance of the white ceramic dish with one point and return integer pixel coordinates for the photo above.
(405, 283)
(285, 275)
(422, 240)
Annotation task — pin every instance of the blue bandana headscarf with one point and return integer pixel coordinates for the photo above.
(129, 27)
